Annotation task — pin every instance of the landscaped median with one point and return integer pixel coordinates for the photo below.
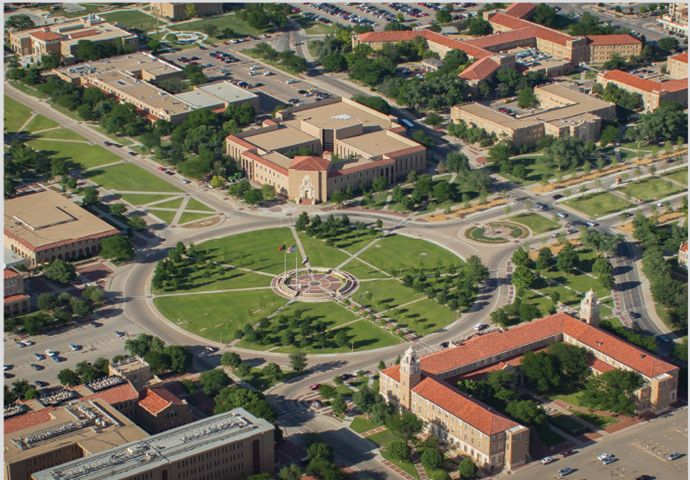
(598, 204)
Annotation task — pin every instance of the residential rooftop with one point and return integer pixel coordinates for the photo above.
(44, 219)
(126, 461)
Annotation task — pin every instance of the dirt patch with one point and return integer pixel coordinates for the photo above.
(625, 228)
(669, 217)
(555, 248)
(204, 223)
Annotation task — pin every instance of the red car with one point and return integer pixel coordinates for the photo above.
(314, 386)
(162, 169)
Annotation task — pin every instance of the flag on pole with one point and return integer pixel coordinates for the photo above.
(281, 248)
(305, 261)
(292, 249)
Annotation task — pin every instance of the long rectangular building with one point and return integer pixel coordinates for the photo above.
(562, 112)
(231, 445)
(425, 386)
(653, 91)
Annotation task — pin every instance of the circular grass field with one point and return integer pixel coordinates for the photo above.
(229, 288)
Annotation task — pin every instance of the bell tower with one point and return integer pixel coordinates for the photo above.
(410, 375)
(589, 309)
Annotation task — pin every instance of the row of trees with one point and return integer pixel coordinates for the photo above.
(159, 356)
(84, 372)
(667, 122)
(471, 133)
(628, 100)
(243, 190)
(20, 390)
(286, 59)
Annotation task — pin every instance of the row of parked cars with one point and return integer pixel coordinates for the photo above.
(224, 57)
(604, 458)
(408, 9)
(340, 13)
(376, 12)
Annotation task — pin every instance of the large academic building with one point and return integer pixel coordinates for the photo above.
(313, 151)
(44, 226)
(513, 43)
(562, 112)
(426, 386)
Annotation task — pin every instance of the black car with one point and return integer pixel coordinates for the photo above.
(557, 196)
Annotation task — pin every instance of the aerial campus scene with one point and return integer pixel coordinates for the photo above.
(345, 240)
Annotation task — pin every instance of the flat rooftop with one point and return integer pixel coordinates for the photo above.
(131, 459)
(499, 118)
(91, 28)
(227, 92)
(378, 143)
(93, 424)
(285, 136)
(339, 115)
(44, 218)
(200, 99)
(135, 63)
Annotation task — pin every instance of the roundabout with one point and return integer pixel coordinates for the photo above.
(354, 291)
(497, 232)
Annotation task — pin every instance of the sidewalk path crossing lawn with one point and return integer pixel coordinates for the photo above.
(680, 176)
(651, 189)
(79, 155)
(15, 114)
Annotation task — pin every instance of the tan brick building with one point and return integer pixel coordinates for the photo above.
(160, 409)
(62, 38)
(342, 145)
(562, 112)
(425, 385)
(653, 92)
(51, 436)
(231, 446)
(134, 370)
(44, 226)
(16, 300)
(178, 11)
(603, 47)
(677, 66)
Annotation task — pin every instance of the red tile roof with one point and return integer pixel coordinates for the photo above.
(479, 70)
(684, 247)
(264, 161)
(82, 34)
(310, 164)
(646, 84)
(471, 411)
(27, 420)
(9, 273)
(614, 39)
(392, 372)
(599, 366)
(520, 10)
(46, 36)
(158, 399)
(502, 38)
(19, 297)
(408, 35)
(114, 395)
(240, 142)
(681, 57)
(540, 31)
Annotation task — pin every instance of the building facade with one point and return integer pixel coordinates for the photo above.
(62, 38)
(562, 112)
(231, 445)
(134, 370)
(160, 409)
(45, 226)
(16, 300)
(675, 20)
(653, 92)
(314, 151)
(425, 385)
(677, 66)
(179, 11)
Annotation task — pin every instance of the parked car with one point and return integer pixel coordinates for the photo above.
(39, 356)
(37, 367)
(74, 347)
(562, 472)
(562, 214)
(6, 367)
(602, 456)
(557, 196)
(314, 386)
(480, 326)
(673, 456)
(547, 460)
(567, 453)
(119, 334)
(590, 223)
(51, 353)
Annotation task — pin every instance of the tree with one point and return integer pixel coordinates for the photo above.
(290, 472)
(467, 469)
(567, 258)
(668, 44)
(60, 271)
(253, 196)
(573, 362)
(432, 459)
(320, 451)
(117, 248)
(545, 258)
(180, 358)
(19, 22)
(298, 361)
(522, 278)
(230, 359)
(444, 16)
(613, 390)
(400, 450)
(191, 10)
(521, 258)
(236, 397)
(338, 405)
(526, 411)
(68, 377)
(405, 424)
(478, 26)
(213, 381)
(273, 372)
(89, 196)
(541, 370)
(158, 361)
(527, 98)
(545, 15)
(608, 135)
(93, 294)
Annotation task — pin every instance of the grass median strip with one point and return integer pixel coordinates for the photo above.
(535, 222)
(598, 204)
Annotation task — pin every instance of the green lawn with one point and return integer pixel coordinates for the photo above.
(195, 204)
(200, 279)
(365, 335)
(231, 20)
(174, 203)
(61, 134)
(132, 19)
(361, 270)
(650, 189)
(166, 215)
(569, 424)
(320, 254)
(385, 294)
(535, 170)
(142, 198)
(39, 122)
(598, 204)
(218, 316)
(425, 316)
(401, 253)
(547, 436)
(15, 114)
(571, 398)
(680, 176)
(353, 241)
(80, 155)
(601, 421)
(187, 217)
(128, 177)
(257, 250)
(362, 424)
(88, 9)
(320, 29)
(383, 440)
(535, 222)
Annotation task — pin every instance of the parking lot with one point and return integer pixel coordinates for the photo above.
(273, 86)
(639, 450)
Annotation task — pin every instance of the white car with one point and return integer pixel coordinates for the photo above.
(603, 456)
(290, 81)
(547, 460)
(480, 326)
(50, 353)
